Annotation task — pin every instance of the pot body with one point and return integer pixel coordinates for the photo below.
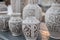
(15, 26)
(52, 19)
(32, 10)
(4, 22)
(30, 29)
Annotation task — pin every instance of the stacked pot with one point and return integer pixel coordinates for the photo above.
(4, 17)
(32, 18)
(32, 14)
(30, 24)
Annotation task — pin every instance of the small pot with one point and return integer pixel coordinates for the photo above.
(15, 24)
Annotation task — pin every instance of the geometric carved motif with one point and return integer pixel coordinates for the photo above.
(54, 23)
(4, 23)
(31, 12)
(16, 27)
(31, 31)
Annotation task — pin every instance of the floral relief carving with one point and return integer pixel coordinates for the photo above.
(4, 23)
(15, 28)
(54, 23)
(15, 24)
(27, 30)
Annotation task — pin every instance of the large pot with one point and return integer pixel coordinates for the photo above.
(52, 19)
(30, 28)
(4, 18)
(32, 9)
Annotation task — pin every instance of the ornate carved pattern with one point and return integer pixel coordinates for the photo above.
(15, 24)
(4, 23)
(31, 31)
(16, 27)
(54, 23)
(31, 12)
(1, 24)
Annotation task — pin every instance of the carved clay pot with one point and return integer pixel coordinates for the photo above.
(15, 24)
(52, 19)
(30, 28)
(32, 9)
(4, 18)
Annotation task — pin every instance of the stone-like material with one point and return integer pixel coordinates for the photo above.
(4, 18)
(15, 24)
(52, 19)
(30, 28)
(17, 6)
(46, 4)
(32, 9)
(8, 36)
(3, 7)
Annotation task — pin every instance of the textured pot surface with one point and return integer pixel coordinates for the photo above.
(30, 28)
(32, 9)
(4, 22)
(52, 19)
(3, 7)
(15, 25)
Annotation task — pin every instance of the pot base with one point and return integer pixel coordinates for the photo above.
(30, 39)
(4, 30)
(15, 34)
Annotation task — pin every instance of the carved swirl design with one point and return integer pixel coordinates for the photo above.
(15, 27)
(30, 30)
(4, 23)
(54, 23)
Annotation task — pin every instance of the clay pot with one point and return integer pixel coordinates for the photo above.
(32, 9)
(15, 24)
(30, 28)
(4, 18)
(52, 19)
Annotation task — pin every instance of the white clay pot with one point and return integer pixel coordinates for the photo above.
(4, 18)
(52, 19)
(32, 9)
(15, 24)
(30, 28)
